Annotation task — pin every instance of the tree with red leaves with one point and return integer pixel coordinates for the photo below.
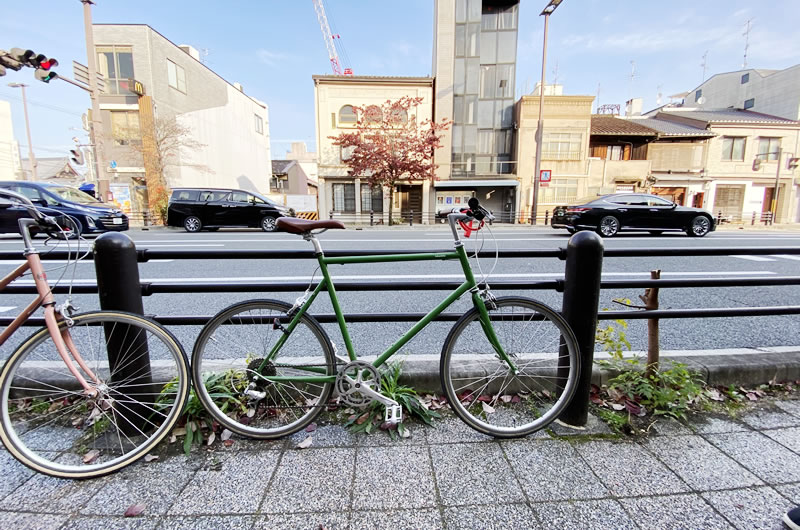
(389, 144)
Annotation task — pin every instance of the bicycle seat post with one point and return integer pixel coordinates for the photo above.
(312, 237)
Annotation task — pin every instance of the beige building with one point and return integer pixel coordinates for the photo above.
(10, 163)
(343, 196)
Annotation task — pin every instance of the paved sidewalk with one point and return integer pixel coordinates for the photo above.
(712, 473)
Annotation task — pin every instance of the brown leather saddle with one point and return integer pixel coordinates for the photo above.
(300, 226)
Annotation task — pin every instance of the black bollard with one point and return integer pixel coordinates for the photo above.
(581, 300)
(119, 289)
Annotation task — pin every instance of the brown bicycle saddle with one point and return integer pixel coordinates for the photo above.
(299, 226)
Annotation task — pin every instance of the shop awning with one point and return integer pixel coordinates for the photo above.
(474, 183)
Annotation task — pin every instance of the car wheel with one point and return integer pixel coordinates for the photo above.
(608, 227)
(700, 226)
(571, 230)
(268, 224)
(656, 232)
(192, 224)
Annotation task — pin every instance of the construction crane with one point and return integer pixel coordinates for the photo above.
(329, 39)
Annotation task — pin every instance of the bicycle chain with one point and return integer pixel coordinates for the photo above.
(301, 366)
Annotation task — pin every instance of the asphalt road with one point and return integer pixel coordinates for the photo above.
(711, 333)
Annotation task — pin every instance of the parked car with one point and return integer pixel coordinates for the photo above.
(198, 209)
(54, 199)
(611, 214)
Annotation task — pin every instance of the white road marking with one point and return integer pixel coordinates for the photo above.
(84, 261)
(6, 308)
(752, 258)
(172, 245)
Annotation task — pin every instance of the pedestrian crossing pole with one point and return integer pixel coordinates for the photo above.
(774, 205)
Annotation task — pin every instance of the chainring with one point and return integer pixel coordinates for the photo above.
(352, 377)
(253, 373)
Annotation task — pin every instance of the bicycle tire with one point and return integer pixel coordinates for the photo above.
(224, 363)
(482, 390)
(51, 425)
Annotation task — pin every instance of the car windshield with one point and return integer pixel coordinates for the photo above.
(72, 195)
(262, 198)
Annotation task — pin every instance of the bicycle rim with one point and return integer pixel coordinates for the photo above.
(49, 422)
(229, 353)
(486, 393)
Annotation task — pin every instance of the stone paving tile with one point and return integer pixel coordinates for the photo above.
(450, 429)
(111, 523)
(594, 425)
(715, 425)
(13, 473)
(707, 469)
(769, 460)
(243, 443)
(422, 519)
(619, 465)
(214, 522)
(787, 437)
(317, 480)
(312, 521)
(552, 470)
(678, 512)
(669, 427)
(490, 517)
(325, 436)
(156, 485)
(379, 439)
(770, 419)
(475, 473)
(228, 483)
(31, 521)
(750, 508)
(790, 406)
(45, 494)
(791, 492)
(393, 477)
(583, 515)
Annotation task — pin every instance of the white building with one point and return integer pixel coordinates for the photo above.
(774, 92)
(10, 165)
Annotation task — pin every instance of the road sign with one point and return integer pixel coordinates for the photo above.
(81, 74)
(113, 164)
(544, 177)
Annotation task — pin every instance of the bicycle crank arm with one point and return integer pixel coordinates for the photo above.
(394, 412)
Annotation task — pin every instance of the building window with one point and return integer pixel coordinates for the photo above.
(698, 94)
(115, 63)
(768, 148)
(562, 146)
(176, 76)
(347, 114)
(745, 78)
(125, 127)
(259, 124)
(344, 198)
(560, 191)
(748, 103)
(733, 148)
(373, 114)
(371, 199)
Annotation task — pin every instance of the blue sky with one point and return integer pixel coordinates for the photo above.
(274, 47)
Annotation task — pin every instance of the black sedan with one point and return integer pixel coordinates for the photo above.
(610, 214)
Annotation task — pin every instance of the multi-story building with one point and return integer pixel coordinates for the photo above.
(220, 135)
(341, 194)
(774, 92)
(474, 66)
(10, 164)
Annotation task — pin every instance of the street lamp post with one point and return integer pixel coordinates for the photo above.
(546, 12)
(31, 156)
(96, 121)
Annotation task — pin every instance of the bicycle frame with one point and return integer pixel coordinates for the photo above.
(327, 283)
(61, 337)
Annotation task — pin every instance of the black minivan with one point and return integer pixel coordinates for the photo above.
(93, 215)
(198, 209)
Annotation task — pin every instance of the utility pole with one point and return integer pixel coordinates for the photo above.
(774, 205)
(95, 121)
(31, 156)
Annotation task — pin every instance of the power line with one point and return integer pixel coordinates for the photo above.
(40, 104)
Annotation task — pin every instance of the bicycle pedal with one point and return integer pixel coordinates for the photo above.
(394, 414)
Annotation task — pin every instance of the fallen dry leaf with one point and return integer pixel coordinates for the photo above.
(227, 443)
(211, 438)
(488, 409)
(150, 458)
(225, 436)
(311, 427)
(134, 510)
(91, 456)
(305, 444)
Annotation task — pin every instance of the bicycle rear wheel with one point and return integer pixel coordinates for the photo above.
(231, 349)
(491, 397)
(49, 423)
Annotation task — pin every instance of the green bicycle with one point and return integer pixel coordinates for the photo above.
(508, 367)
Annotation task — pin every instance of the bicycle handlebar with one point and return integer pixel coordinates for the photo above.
(474, 211)
(52, 225)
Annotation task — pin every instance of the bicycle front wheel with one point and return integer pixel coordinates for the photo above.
(50, 423)
(250, 393)
(491, 396)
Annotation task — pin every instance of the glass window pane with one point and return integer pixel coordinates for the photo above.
(461, 39)
(125, 65)
(473, 39)
(503, 142)
(489, 48)
(486, 113)
(485, 141)
(458, 76)
(508, 113)
(181, 79)
(487, 82)
(727, 144)
(506, 46)
(461, 10)
(473, 76)
(474, 11)
(738, 149)
(458, 109)
(483, 164)
(470, 139)
(105, 63)
(489, 21)
(505, 81)
(471, 110)
(508, 18)
(172, 75)
(458, 139)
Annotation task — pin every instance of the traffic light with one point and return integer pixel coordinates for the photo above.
(16, 58)
(756, 164)
(793, 163)
(43, 65)
(77, 156)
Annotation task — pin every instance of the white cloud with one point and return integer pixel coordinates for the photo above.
(271, 58)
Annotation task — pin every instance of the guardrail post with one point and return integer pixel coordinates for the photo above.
(719, 218)
(411, 218)
(546, 217)
(753, 221)
(119, 289)
(330, 214)
(581, 300)
(371, 217)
